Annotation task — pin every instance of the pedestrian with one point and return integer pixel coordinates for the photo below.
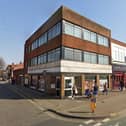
(95, 89)
(93, 103)
(74, 91)
(121, 85)
(105, 90)
(87, 90)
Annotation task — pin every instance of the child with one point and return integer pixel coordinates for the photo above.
(93, 103)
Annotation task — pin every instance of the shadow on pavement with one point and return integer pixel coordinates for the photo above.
(8, 91)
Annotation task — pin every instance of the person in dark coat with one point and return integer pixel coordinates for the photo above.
(121, 85)
(95, 89)
(105, 89)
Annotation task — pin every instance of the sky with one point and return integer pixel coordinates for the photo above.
(21, 18)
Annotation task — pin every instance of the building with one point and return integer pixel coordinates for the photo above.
(118, 62)
(68, 49)
(16, 73)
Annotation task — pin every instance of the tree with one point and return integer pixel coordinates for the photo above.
(2, 63)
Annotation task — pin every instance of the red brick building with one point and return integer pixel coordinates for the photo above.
(16, 73)
(68, 49)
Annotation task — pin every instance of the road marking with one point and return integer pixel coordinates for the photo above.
(106, 120)
(88, 122)
(80, 125)
(117, 124)
(98, 124)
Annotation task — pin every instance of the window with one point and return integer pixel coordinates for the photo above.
(68, 28)
(57, 54)
(42, 59)
(86, 34)
(51, 56)
(77, 55)
(77, 31)
(103, 59)
(74, 30)
(42, 39)
(57, 29)
(54, 55)
(86, 57)
(54, 31)
(71, 54)
(103, 41)
(90, 57)
(93, 37)
(68, 53)
(35, 44)
(94, 58)
(34, 61)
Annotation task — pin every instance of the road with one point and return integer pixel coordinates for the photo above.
(15, 110)
(119, 121)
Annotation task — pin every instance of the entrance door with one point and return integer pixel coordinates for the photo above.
(69, 81)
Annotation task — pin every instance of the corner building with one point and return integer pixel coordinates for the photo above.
(68, 49)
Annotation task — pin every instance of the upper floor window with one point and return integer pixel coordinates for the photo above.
(34, 61)
(54, 55)
(93, 37)
(71, 54)
(90, 57)
(71, 29)
(86, 34)
(42, 59)
(77, 55)
(77, 31)
(68, 28)
(35, 44)
(103, 59)
(42, 39)
(54, 31)
(67, 53)
(103, 40)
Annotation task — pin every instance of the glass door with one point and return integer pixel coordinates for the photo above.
(69, 81)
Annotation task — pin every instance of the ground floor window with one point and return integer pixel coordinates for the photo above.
(89, 81)
(34, 81)
(103, 79)
(41, 83)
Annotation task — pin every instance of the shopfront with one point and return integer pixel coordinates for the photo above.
(118, 74)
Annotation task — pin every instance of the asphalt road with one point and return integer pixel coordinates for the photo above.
(119, 121)
(17, 111)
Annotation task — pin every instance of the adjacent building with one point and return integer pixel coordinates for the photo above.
(118, 62)
(68, 49)
(16, 73)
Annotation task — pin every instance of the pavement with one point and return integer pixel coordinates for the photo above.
(107, 105)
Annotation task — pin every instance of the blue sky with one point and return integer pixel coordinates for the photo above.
(20, 18)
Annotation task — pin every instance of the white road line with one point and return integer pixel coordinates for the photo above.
(98, 124)
(106, 120)
(88, 122)
(80, 125)
(117, 124)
